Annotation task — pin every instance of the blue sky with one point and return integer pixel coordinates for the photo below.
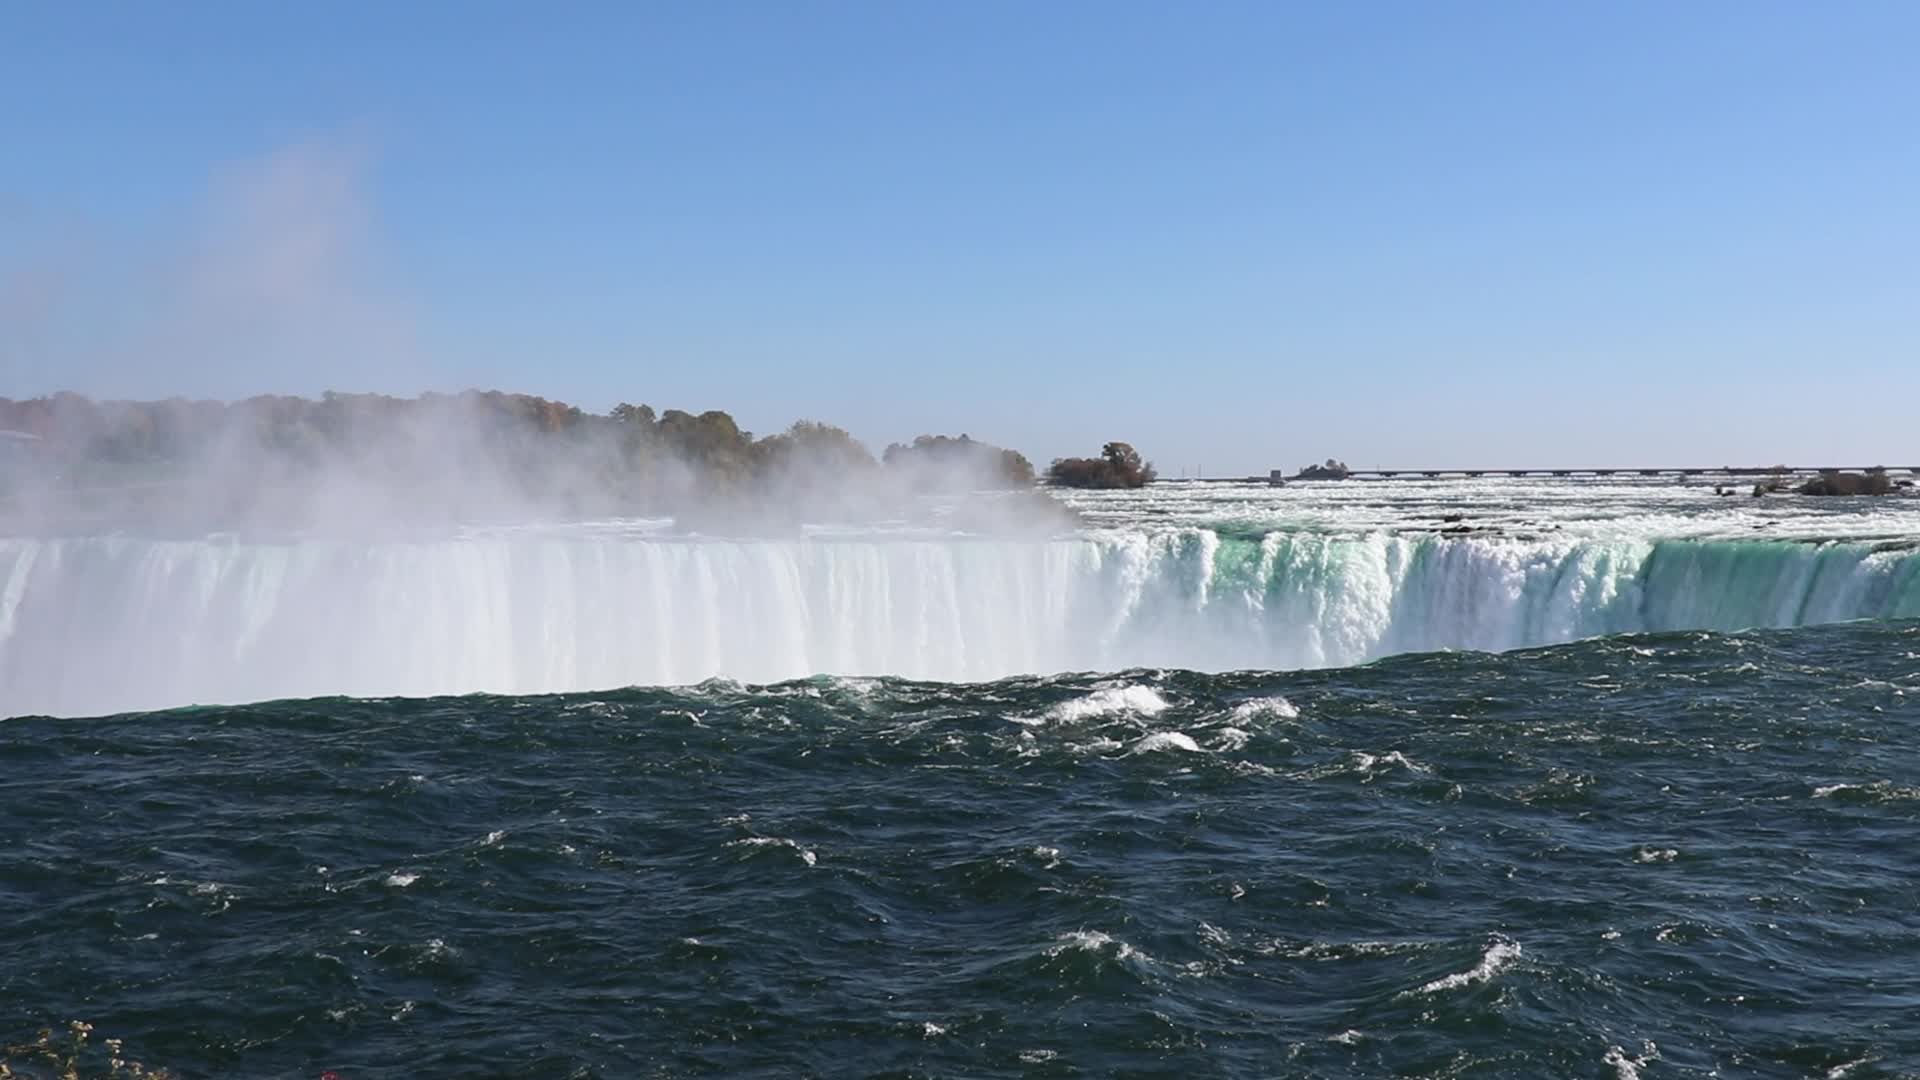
(1239, 235)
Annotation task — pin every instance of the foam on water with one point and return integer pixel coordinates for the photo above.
(1094, 942)
(1628, 1068)
(1275, 707)
(1110, 701)
(806, 856)
(1499, 956)
(1166, 740)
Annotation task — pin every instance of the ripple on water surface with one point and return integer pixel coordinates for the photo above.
(1675, 855)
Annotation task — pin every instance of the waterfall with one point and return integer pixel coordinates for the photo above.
(97, 624)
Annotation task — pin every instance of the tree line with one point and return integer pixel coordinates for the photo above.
(448, 453)
(630, 458)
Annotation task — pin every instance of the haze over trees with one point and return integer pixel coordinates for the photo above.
(936, 460)
(472, 453)
(1118, 466)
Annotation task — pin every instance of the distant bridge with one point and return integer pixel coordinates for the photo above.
(1725, 471)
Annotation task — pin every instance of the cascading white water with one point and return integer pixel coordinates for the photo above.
(98, 624)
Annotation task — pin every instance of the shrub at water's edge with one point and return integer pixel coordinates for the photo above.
(1118, 466)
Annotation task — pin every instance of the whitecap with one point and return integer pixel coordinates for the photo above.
(806, 856)
(1650, 855)
(1403, 761)
(1165, 740)
(494, 838)
(1349, 1037)
(400, 881)
(1231, 738)
(1884, 789)
(932, 1030)
(1277, 707)
(1628, 1068)
(1142, 700)
(1093, 941)
(854, 686)
(1499, 956)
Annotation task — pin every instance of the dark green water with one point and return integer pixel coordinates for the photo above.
(1675, 855)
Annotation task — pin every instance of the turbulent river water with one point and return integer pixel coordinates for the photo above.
(887, 836)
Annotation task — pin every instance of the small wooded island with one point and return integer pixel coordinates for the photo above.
(1118, 466)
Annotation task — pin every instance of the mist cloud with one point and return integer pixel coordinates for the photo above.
(272, 281)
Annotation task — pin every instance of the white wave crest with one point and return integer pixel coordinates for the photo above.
(1499, 956)
(1628, 1068)
(1165, 740)
(1096, 942)
(806, 856)
(1114, 700)
(1231, 738)
(1272, 707)
(1882, 789)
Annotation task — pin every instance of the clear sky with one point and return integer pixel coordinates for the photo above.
(1238, 235)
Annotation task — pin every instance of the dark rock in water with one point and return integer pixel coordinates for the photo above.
(1873, 482)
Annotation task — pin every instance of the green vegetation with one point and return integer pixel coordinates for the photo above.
(938, 460)
(1118, 466)
(467, 453)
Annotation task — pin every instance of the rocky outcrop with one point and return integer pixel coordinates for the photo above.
(1871, 482)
